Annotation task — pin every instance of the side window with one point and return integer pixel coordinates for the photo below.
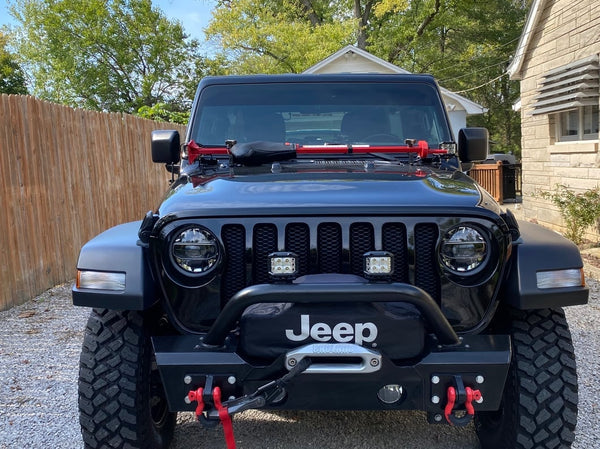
(577, 124)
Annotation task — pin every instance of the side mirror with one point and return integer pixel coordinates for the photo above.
(165, 146)
(473, 144)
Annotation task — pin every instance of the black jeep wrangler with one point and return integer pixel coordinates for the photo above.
(321, 247)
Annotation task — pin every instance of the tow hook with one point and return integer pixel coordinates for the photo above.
(210, 409)
(458, 396)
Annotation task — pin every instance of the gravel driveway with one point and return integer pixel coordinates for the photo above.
(39, 355)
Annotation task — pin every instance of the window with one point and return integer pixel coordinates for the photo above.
(578, 124)
(313, 113)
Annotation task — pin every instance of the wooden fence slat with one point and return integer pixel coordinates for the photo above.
(65, 176)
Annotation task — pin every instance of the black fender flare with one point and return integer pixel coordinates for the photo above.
(540, 249)
(117, 250)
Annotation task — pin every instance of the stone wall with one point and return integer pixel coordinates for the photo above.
(567, 31)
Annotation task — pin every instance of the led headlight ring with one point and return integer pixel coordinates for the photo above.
(464, 250)
(195, 250)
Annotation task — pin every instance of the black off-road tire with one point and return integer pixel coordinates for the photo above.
(121, 399)
(539, 405)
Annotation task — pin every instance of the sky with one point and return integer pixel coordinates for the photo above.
(193, 14)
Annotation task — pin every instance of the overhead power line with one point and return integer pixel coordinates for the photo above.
(480, 86)
(473, 72)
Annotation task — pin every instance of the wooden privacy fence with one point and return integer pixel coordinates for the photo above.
(502, 181)
(66, 175)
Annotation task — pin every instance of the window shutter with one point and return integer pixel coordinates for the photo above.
(568, 87)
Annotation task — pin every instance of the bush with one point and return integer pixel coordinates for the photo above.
(579, 210)
(161, 112)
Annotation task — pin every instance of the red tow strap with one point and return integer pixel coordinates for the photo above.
(225, 419)
(196, 395)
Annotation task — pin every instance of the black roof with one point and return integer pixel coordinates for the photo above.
(318, 78)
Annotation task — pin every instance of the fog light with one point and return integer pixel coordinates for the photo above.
(283, 265)
(100, 280)
(560, 278)
(378, 264)
(390, 394)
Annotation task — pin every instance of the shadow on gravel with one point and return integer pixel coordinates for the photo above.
(348, 430)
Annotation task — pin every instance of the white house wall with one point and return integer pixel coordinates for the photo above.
(458, 120)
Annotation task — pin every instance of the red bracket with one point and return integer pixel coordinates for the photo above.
(471, 395)
(197, 396)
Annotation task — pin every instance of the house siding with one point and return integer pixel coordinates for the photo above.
(567, 31)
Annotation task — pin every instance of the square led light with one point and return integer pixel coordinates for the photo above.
(101, 280)
(560, 278)
(378, 264)
(283, 265)
(450, 147)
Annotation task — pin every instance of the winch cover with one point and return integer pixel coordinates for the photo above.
(394, 329)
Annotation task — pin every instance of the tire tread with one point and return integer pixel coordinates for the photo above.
(111, 382)
(540, 400)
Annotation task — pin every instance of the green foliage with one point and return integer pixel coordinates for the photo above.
(161, 112)
(277, 37)
(12, 79)
(579, 210)
(112, 55)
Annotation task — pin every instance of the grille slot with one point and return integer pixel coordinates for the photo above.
(362, 240)
(426, 268)
(329, 241)
(297, 241)
(394, 240)
(264, 243)
(234, 274)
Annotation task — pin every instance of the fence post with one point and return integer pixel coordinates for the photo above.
(499, 179)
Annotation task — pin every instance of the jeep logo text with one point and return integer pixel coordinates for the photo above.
(341, 332)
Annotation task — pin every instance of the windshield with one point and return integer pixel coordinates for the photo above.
(320, 114)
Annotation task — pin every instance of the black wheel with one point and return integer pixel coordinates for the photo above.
(539, 406)
(121, 398)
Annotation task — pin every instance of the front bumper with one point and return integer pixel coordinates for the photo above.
(342, 376)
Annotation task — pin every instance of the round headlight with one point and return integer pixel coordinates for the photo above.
(195, 250)
(463, 249)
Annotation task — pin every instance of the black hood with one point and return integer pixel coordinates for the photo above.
(324, 191)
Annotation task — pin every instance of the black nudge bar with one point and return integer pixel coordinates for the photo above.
(331, 293)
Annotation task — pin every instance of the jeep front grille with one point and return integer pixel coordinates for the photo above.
(330, 247)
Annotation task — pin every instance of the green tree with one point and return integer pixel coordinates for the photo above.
(282, 36)
(112, 55)
(12, 79)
